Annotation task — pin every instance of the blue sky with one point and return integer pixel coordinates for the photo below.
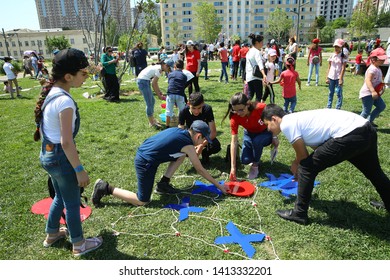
(23, 14)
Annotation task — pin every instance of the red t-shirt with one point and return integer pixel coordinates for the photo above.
(243, 52)
(252, 124)
(289, 79)
(192, 60)
(223, 54)
(236, 53)
(358, 59)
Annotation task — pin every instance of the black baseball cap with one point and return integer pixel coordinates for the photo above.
(70, 61)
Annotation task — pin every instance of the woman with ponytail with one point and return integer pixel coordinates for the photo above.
(58, 121)
(254, 57)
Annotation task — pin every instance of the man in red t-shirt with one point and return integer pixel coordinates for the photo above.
(243, 51)
(223, 56)
(236, 58)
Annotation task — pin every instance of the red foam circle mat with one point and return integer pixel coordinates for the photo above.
(243, 188)
(42, 207)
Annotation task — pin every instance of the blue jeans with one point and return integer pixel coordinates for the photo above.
(67, 191)
(368, 101)
(206, 67)
(146, 173)
(317, 66)
(224, 73)
(253, 144)
(146, 90)
(334, 86)
(288, 101)
(173, 99)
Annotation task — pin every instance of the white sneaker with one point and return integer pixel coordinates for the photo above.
(316, 85)
(308, 84)
(253, 172)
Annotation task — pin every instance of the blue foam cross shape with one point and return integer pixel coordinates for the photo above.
(285, 183)
(202, 187)
(184, 208)
(242, 239)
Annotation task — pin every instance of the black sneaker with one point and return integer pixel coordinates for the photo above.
(99, 190)
(291, 215)
(166, 188)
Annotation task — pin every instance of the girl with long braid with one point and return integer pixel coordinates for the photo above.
(58, 121)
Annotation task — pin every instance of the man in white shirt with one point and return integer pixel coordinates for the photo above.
(211, 51)
(335, 136)
(11, 73)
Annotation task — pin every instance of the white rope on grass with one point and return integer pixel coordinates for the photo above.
(212, 218)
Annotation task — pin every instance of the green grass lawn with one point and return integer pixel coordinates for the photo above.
(343, 225)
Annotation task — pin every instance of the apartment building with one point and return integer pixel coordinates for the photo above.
(17, 41)
(79, 14)
(334, 9)
(238, 17)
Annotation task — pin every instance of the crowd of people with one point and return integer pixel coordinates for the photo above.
(354, 139)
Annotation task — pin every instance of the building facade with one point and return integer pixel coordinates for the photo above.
(17, 41)
(244, 17)
(81, 14)
(334, 9)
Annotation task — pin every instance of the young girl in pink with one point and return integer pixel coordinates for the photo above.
(335, 75)
(287, 80)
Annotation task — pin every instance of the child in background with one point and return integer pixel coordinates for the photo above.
(175, 94)
(287, 80)
(369, 93)
(270, 65)
(335, 76)
(359, 60)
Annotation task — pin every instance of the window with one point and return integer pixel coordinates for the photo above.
(186, 12)
(174, 13)
(167, 36)
(187, 27)
(186, 20)
(1, 44)
(166, 13)
(186, 5)
(166, 6)
(261, 10)
(258, 26)
(167, 21)
(13, 44)
(166, 28)
(173, 5)
(15, 53)
(219, 11)
(2, 53)
(258, 18)
(26, 43)
(32, 43)
(218, 4)
(72, 41)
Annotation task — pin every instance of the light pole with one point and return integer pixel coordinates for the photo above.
(6, 43)
(298, 13)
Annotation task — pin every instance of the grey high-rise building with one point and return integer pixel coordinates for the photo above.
(79, 14)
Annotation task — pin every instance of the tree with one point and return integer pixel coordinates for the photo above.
(327, 33)
(363, 20)
(339, 23)
(112, 32)
(320, 22)
(383, 20)
(206, 21)
(176, 34)
(59, 42)
(279, 24)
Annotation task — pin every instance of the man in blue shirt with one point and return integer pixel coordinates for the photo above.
(171, 145)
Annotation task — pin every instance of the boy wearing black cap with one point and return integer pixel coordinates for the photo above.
(170, 145)
(199, 110)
